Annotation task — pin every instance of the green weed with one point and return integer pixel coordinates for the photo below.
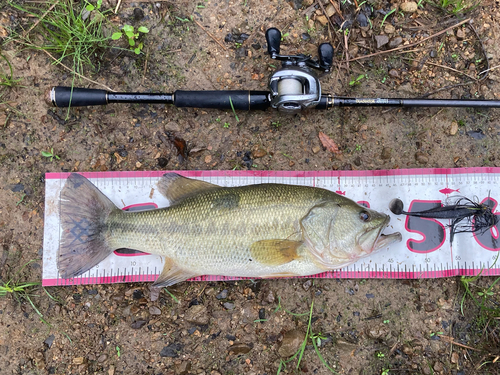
(387, 15)
(132, 36)
(171, 295)
(357, 81)
(7, 75)
(73, 32)
(455, 6)
(50, 154)
(234, 112)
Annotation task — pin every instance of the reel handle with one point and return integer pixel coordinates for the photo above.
(325, 53)
(273, 38)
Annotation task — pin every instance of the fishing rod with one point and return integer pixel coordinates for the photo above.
(292, 88)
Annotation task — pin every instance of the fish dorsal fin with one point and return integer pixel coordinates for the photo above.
(175, 187)
(274, 252)
(172, 274)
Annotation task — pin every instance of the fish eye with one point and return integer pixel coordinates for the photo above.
(365, 216)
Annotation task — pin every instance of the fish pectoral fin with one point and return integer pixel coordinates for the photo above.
(175, 187)
(275, 252)
(172, 274)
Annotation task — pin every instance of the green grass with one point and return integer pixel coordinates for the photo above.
(7, 73)
(455, 6)
(70, 31)
(315, 339)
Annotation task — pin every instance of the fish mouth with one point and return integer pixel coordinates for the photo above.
(381, 240)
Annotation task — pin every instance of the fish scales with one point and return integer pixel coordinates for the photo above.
(192, 237)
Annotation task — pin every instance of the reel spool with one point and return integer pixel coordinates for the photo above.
(295, 87)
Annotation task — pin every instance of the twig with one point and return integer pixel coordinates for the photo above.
(209, 34)
(346, 50)
(412, 44)
(446, 88)
(78, 74)
(338, 10)
(41, 18)
(451, 340)
(484, 52)
(309, 9)
(329, 21)
(444, 67)
(118, 6)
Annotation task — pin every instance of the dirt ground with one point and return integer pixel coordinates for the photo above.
(360, 326)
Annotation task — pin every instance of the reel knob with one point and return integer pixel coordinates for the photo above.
(273, 38)
(325, 53)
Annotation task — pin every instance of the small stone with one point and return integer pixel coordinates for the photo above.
(259, 153)
(438, 366)
(454, 357)
(460, 34)
(396, 41)
(430, 307)
(172, 127)
(138, 324)
(171, 351)
(138, 14)
(386, 153)
(421, 158)
(394, 73)
(111, 370)
(102, 358)
(389, 29)
(269, 297)
(433, 53)
(291, 343)
(307, 285)
(49, 341)
(409, 7)
(208, 159)
(316, 149)
(377, 332)
(78, 360)
(138, 164)
(322, 20)
(198, 315)
(330, 10)
(229, 305)
(222, 295)
(240, 348)
(453, 128)
(381, 40)
(153, 310)
(183, 368)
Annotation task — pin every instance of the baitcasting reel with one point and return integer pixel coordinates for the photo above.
(295, 87)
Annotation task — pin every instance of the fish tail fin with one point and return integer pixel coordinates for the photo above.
(84, 239)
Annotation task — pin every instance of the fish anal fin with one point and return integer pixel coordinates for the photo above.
(279, 274)
(172, 274)
(275, 252)
(175, 187)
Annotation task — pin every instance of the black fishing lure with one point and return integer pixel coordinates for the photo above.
(465, 215)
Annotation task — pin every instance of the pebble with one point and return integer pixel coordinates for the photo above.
(460, 34)
(153, 310)
(381, 40)
(154, 293)
(396, 41)
(454, 357)
(377, 332)
(307, 285)
(430, 307)
(198, 315)
(421, 158)
(438, 366)
(171, 351)
(102, 358)
(240, 348)
(386, 153)
(269, 297)
(408, 7)
(291, 343)
(172, 127)
(222, 295)
(49, 341)
(229, 305)
(322, 20)
(316, 149)
(78, 360)
(433, 53)
(183, 368)
(389, 29)
(138, 324)
(454, 128)
(259, 153)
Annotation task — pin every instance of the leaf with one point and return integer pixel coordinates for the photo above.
(46, 154)
(328, 143)
(131, 42)
(90, 7)
(128, 28)
(116, 36)
(137, 51)
(143, 29)
(130, 34)
(99, 3)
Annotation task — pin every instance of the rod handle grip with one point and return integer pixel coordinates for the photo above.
(61, 96)
(240, 99)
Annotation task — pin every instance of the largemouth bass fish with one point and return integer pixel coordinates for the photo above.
(264, 230)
